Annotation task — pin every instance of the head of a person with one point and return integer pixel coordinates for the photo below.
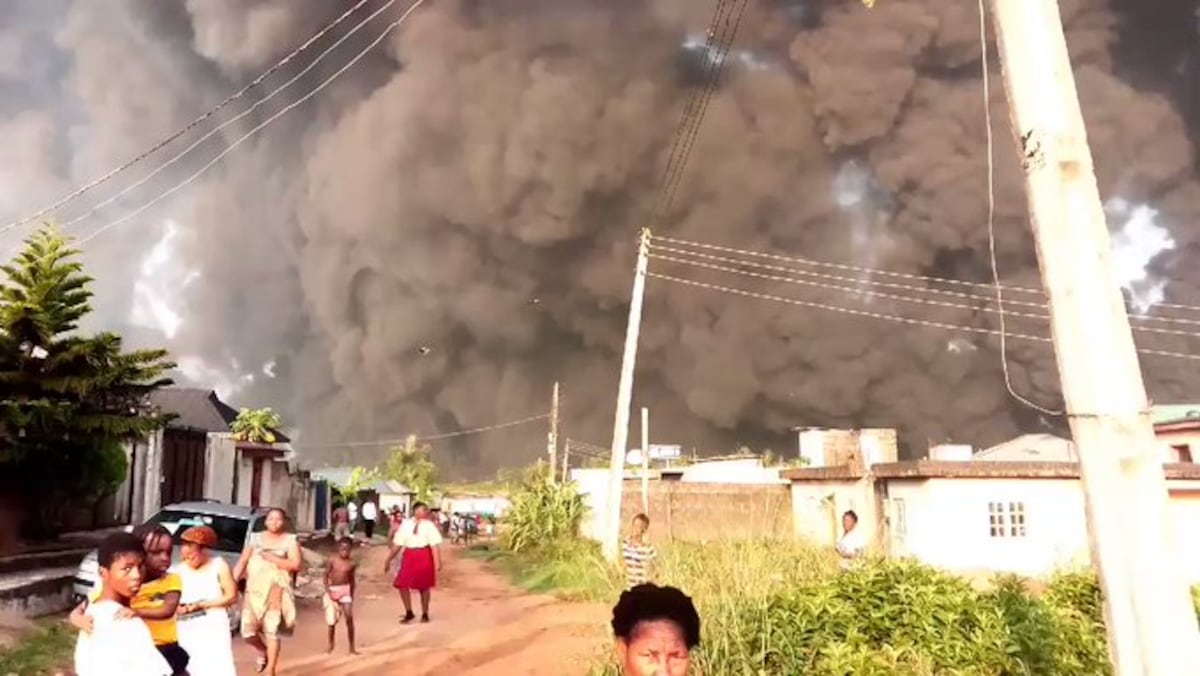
(344, 547)
(641, 522)
(121, 556)
(275, 520)
(420, 510)
(656, 629)
(195, 544)
(158, 546)
(849, 520)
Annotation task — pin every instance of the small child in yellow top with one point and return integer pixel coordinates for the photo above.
(156, 602)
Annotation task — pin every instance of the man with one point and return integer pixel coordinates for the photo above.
(341, 522)
(369, 513)
(352, 511)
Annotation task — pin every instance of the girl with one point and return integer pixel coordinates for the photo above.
(268, 562)
(417, 542)
(208, 590)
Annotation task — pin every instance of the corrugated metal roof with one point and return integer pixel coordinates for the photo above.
(1175, 413)
(1031, 447)
(197, 409)
(340, 476)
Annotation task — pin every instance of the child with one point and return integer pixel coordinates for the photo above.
(115, 641)
(339, 588)
(156, 601)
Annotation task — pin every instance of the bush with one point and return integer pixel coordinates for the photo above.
(781, 608)
(542, 513)
(573, 570)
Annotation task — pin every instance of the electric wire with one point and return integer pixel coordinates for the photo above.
(187, 128)
(325, 83)
(270, 95)
(429, 437)
(886, 317)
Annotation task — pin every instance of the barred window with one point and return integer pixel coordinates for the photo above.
(1006, 519)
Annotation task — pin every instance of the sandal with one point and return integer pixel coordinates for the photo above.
(408, 617)
(260, 665)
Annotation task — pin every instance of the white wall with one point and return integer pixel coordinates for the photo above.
(483, 505)
(245, 472)
(946, 523)
(739, 471)
(593, 487)
(220, 456)
(818, 506)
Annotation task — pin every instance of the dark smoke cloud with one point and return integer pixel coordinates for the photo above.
(497, 153)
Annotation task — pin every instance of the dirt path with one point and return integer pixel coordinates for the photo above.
(481, 625)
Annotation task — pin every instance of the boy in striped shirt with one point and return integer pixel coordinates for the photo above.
(638, 553)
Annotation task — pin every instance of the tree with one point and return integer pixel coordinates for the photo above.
(257, 426)
(67, 401)
(412, 466)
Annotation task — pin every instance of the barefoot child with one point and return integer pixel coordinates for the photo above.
(155, 601)
(114, 640)
(339, 591)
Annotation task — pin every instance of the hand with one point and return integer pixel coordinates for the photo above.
(87, 624)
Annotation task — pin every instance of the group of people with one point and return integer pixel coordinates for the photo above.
(148, 618)
(348, 517)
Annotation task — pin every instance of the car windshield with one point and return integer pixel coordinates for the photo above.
(231, 530)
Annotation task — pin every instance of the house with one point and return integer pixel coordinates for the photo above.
(1006, 514)
(1031, 448)
(825, 447)
(474, 503)
(387, 493)
(1177, 429)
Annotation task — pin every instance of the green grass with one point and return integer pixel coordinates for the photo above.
(573, 570)
(44, 651)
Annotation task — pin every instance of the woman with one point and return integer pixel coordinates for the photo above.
(395, 518)
(417, 542)
(208, 591)
(656, 630)
(852, 543)
(268, 562)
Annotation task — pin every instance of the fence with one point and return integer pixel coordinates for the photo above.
(707, 511)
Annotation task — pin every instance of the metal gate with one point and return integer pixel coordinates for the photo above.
(183, 466)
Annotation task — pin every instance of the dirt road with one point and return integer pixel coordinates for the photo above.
(481, 625)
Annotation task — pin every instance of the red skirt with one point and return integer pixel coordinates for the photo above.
(417, 570)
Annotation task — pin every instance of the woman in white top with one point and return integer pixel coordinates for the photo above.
(417, 542)
(208, 591)
(852, 543)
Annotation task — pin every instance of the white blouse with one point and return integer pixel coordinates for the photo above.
(417, 533)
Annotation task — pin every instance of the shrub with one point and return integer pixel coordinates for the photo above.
(542, 513)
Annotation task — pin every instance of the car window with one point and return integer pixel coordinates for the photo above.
(231, 530)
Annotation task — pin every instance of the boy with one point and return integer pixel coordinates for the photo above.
(116, 641)
(157, 599)
(340, 584)
(637, 553)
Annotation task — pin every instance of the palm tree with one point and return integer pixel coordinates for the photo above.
(256, 426)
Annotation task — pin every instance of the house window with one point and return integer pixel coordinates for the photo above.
(1181, 453)
(1006, 519)
(899, 519)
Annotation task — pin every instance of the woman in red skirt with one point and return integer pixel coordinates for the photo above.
(417, 542)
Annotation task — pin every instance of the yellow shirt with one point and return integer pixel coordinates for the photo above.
(150, 597)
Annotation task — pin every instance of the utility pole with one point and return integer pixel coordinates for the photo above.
(645, 460)
(552, 437)
(1152, 628)
(620, 439)
(565, 460)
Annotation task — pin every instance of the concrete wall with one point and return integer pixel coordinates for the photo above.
(219, 458)
(593, 487)
(738, 471)
(1169, 439)
(147, 478)
(710, 511)
(818, 506)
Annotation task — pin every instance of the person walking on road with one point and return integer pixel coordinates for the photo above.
(208, 592)
(268, 562)
(369, 513)
(352, 512)
(417, 543)
(637, 553)
(340, 587)
(341, 522)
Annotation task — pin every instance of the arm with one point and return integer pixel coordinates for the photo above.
(437, 556)
(240, 569)
(228, 590)
(353, 580)
(169, 607)
(393, 551)
(79, 618)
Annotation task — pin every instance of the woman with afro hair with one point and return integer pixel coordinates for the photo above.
(656, 629)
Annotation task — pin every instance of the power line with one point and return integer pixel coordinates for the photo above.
(190, 126)
(883, 273)
(859, 291)
(431, 437)
(270, 95)
(252, 132)
(893, 318)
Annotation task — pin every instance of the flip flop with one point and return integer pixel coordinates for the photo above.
(260, 665)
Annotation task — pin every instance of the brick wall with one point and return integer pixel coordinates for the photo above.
(704, 511)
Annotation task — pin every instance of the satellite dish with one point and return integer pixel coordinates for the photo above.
(633, 457)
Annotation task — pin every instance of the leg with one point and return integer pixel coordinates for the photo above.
(406, 599)
(332, 629)
(425, 605)
(348, 612)
(272, 654)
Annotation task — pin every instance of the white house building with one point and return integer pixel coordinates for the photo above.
(1007, 514)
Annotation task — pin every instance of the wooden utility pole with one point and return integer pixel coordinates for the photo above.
(1152, 627)
(620, 439)
(552, 437)
(645, 460)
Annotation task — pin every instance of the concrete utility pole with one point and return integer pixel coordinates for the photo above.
(552, 437)
(566, 459)
(1152, 627)
(612, 522)
(645, 460)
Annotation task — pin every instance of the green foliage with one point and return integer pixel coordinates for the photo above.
(256, 426)
(412, 466)
(66, 399)
(569, 569)
(543, 513)
(45, 651)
